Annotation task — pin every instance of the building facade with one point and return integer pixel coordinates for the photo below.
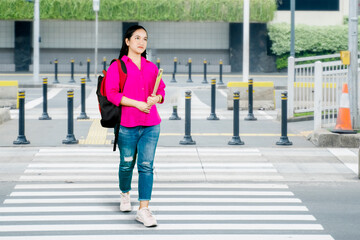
(213, 41)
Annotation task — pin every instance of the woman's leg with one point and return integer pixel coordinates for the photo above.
(128, 138)
(146, 153)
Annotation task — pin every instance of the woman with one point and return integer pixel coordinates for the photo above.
(140, 122)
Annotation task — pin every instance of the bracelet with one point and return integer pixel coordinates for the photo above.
(159, 98)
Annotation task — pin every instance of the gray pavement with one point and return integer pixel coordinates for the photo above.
(199, 193)
(210, 190)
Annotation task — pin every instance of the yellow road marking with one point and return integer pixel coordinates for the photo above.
(97, 134)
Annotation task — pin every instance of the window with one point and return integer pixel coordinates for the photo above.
(309, 5)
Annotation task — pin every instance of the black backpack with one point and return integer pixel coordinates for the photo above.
(110, 113)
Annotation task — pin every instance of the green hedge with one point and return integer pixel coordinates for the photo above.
(140, 10)
(309, 41)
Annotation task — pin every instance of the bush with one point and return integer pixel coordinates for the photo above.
(309, 41)
(140, 10)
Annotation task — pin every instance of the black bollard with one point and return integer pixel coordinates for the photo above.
(221, 73)
(70, 138)
(56, 80)
(213, 101)
(104, 63)
(284, 140)
(158, 63)
(83, 95)
(250, 116)
(174, 115)
(187, 138)
(21, 139)
(173, 80)
(88, 70)
(45, 115)
(205, 80)
(236, 137)
(189, 63)
(72, 80)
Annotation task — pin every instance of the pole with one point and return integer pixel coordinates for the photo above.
(83, 100)
(45, 115)
(36, 41)
(72, 62)
(235, 140)
(158, 63)
(174, 115)
(353, 77)
(213, 101)
(292, 41)
(56, 80)
(221, 72)
(284, 140)
(189, 80)
(88, 70)
(246, 40)
(104, 62)
(187, 138)
(96, 43)
(70, 138)
(173, 80)
(205, 80)
(21, 139)
(250, 116)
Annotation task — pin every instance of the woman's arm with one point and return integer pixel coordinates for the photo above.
(142, 106)
(113, 91)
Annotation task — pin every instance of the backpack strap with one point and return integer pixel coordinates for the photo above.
(122, 76)
(122, 73)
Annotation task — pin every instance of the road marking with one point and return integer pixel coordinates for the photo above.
(130, 217)
(222, 92)
(168, 170)
(349, 158)
(155, 208)
(158, 186)
(161, 178)
(159, 193)
(127, 227)
(51, 94)
(178, 237)
(82, 166)
(264, 114)
(178, 200)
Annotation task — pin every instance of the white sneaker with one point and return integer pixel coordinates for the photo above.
(146, 217)
(125, 203)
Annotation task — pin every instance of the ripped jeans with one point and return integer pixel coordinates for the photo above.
(137, 143)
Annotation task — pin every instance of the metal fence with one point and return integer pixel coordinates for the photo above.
(316, 87)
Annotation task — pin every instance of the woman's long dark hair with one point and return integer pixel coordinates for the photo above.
(124, 48)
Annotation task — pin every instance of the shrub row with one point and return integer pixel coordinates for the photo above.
(309, 41)
(140, 10)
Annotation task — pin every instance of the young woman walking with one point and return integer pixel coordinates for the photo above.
(140, 121)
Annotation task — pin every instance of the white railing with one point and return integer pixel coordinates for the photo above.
(316, 88)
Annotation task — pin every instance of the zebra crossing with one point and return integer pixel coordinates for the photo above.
(199, 193)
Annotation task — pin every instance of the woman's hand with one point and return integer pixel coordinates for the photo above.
(152, 100)
(144, 107)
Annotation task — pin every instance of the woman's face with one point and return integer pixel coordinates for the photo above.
(138, 42)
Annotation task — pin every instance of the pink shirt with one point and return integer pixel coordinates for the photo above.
(139, 86)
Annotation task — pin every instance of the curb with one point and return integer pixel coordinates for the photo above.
(325, 138)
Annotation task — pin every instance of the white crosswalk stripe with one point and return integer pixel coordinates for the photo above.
(64, 195)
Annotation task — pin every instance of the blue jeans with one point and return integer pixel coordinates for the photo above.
(137, 143)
